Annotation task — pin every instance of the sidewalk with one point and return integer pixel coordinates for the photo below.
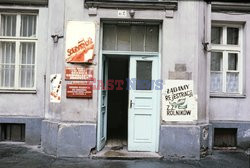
(21, 156)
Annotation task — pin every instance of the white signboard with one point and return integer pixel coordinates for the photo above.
(80, 42)
(178, 101)
(55, 88)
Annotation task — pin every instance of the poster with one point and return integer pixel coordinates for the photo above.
(178, 101)
(55, 88)
(80, 42)
(79, 73)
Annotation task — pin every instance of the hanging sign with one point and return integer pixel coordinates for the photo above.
(178, 101)
(79, 73)
(78, 90)
(55, 88)
(80, 42)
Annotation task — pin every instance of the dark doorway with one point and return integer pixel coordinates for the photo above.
(117, 119)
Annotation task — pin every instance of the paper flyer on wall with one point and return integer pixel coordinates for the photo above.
(55, 88)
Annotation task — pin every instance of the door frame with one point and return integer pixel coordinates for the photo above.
(102, 54)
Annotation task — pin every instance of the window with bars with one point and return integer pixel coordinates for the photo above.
(17, 51)
(226, 59)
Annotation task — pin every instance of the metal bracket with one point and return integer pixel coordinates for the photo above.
(56, 37)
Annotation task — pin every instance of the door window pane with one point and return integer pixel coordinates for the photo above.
(232, 61)
(8, 25)
(216, 35)
(28, 26)
(232, 35)
(216, 61)
(143, 75)
(232, 82)
(216, 82)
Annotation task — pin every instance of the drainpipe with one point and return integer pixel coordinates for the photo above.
(206, 44)
(208, 54)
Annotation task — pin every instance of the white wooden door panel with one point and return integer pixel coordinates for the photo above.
(142, 108)
(102, 118)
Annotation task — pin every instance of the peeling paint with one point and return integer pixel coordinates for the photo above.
(246, 133)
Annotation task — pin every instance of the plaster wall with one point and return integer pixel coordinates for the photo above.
(18, 103)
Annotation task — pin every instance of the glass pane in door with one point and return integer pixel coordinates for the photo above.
(143, 75)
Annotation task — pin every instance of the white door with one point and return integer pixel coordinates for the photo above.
(142, 110)
(102, 118)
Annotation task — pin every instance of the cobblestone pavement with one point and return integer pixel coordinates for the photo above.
(21, 156)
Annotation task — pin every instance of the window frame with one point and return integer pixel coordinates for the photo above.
(18, 40)
(225, 49)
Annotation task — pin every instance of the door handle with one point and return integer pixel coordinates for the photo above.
(131, 103)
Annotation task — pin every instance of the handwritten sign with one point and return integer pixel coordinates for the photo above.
(75, 90)
(178, 101)
(79, 73)
(80, 42)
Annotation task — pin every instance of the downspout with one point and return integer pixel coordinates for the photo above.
(207, 46)
(207, 40)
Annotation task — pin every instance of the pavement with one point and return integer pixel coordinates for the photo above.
(14, 155)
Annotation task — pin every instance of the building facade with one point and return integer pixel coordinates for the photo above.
(169, 76)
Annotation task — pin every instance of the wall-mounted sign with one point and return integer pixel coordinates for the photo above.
(178, 101)
(79, 73)
(55, 88)
(80, 42)
(122, 13)
(75, 90)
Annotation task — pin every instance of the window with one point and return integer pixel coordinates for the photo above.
(226, 59)
(17, 51)
(131, 37)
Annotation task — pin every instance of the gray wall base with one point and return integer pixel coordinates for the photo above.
(68, 139)
(184, 141)
(32, 127)
(243, 131)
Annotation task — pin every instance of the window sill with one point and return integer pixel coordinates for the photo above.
(18, 91)
(227, 95)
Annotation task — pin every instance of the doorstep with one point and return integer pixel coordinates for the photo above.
(123, 154)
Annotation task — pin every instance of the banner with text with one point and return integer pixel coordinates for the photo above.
(178, 101)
